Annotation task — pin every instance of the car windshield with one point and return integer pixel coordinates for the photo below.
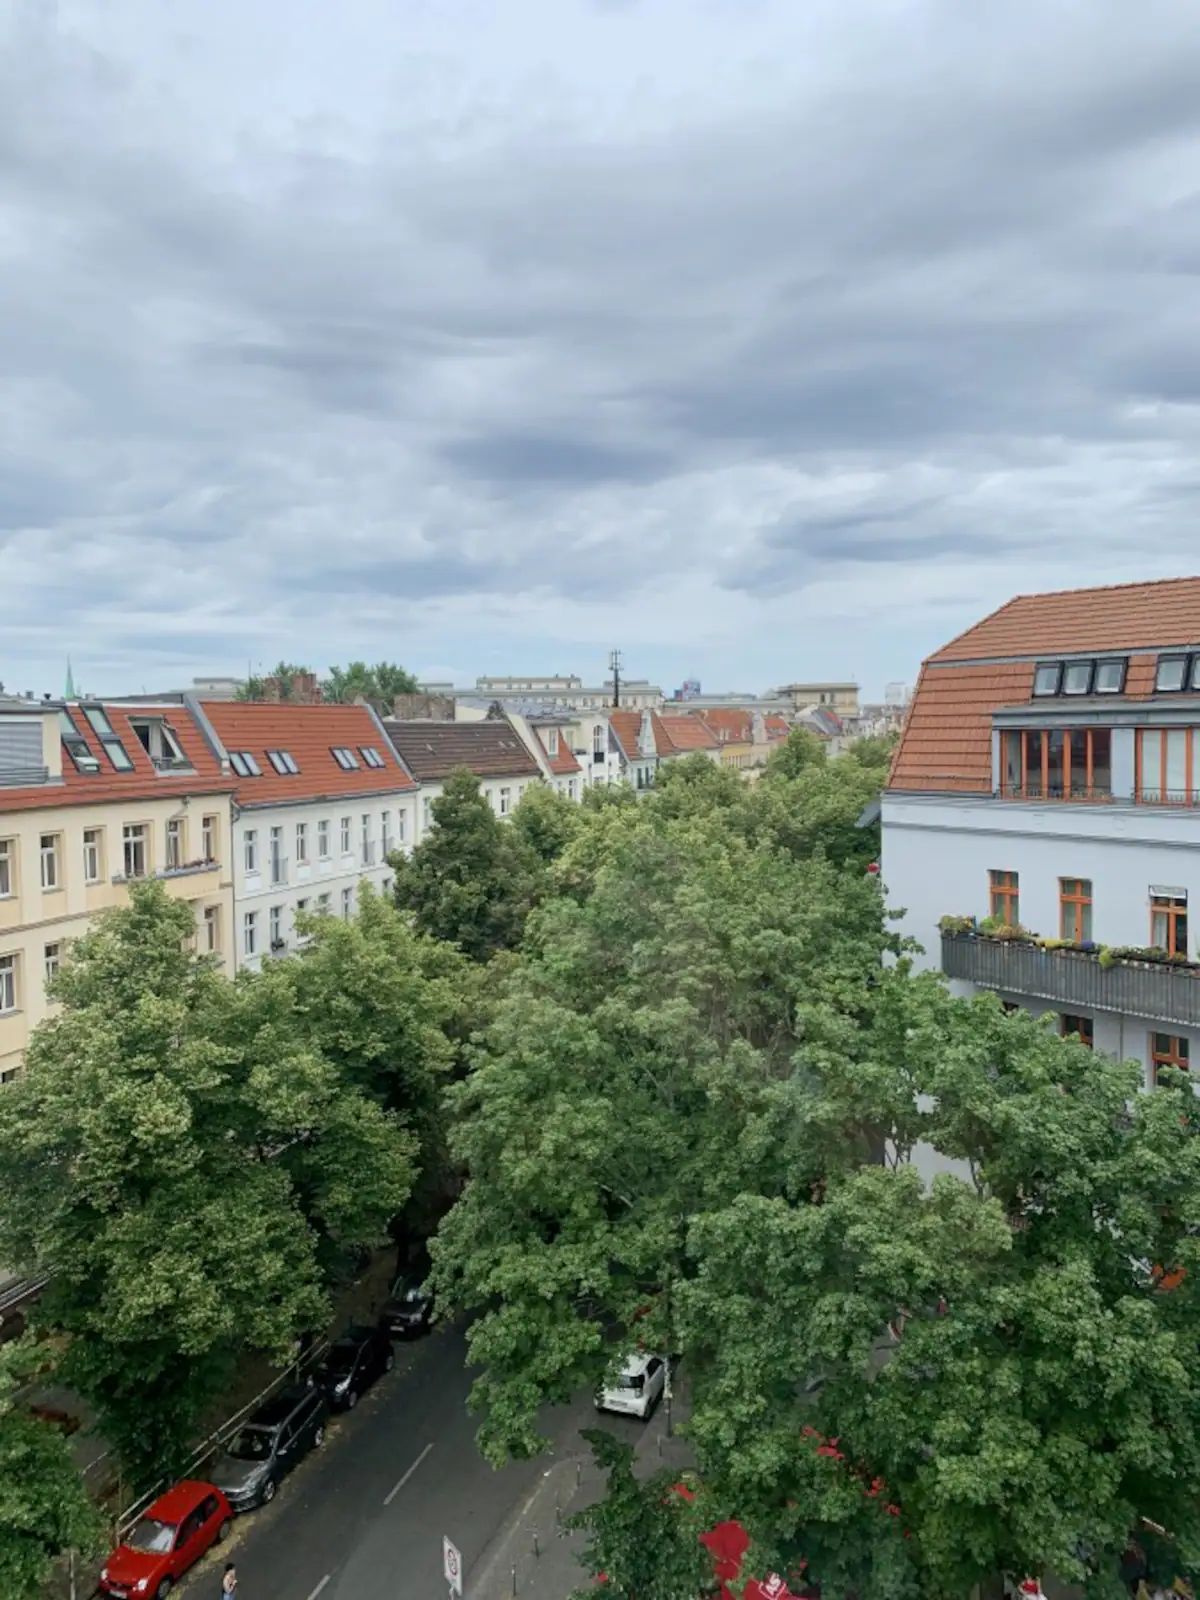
(149, 1534)
(341, 1357)
(407, 1291)
(252, 1444)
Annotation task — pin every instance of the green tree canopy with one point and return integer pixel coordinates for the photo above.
(383, 681)
(177, 1152)
(546, 821)
(284, 673)
(799, 752)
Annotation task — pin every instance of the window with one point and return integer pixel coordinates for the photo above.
(599, 742)
(400, 825)
(8, 983)
(301, 844)
(426, 811)
(347, 903)
(136, 856)
(103, 729)
(8, 868)
(505, 802)
(1079, 1026)
(1194, 676)
(282, 761)
(278, 859)
(250, 849)
(174, 842)
(1167, 1050)
(1046, 677)
(93, 855)
(323, 839)
(366, 839)
(157, 738)
(275, 920)
(345, 836)
(244, 764)
(1172, 673)
(208, 838)
(1168, 766)
(1004, 899)
(301, 907)
(551, 741)
(250, 933)
(371, 756)
(212, 929)
(76, 745)
(1075, 909)
(51, 876)
(385, 832)
(345, 758)
(1168, 921)
(1110, 677)
(1056, 764)
(571, 788)
(323, 904)
(52, 960)
(1077, 677)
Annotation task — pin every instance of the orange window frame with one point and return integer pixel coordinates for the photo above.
(1004, 896)
(1072, 903)
(1163, 906)
(1085, 1030)
(1160, 788)
(1173, 1054)
(1078, 755)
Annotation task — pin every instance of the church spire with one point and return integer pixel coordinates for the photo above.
(69, 691)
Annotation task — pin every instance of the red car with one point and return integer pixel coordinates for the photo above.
(165, 1541)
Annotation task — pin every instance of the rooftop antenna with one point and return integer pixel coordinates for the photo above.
(614, 666)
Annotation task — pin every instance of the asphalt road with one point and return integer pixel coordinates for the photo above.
(363, 1517)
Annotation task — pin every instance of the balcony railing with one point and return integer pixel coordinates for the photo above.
(1074, 980)
(1079, 793)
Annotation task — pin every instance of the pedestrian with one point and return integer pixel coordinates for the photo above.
(229, 1582)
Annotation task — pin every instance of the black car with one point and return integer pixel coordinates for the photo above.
(266, 1447)
(408, 1310)
(351, 1365)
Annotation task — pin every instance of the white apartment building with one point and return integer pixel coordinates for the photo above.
(321, 802)
(1048, 778)
(492, 750)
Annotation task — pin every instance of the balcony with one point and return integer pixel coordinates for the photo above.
(1076, 981)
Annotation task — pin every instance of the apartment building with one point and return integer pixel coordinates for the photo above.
(492, 750)
(637, 747)
(93, 796)
(1048, 780)
(547, 737)
(839, 697)
(321, 801)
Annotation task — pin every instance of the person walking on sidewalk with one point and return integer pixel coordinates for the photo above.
(229, 1582)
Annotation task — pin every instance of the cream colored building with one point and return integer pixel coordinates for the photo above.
(839, 697)
(92, 797)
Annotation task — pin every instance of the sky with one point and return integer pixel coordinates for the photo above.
(763, 339)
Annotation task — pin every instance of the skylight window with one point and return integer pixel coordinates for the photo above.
(244, 764)
(371, 756)
(1110, 677)
(103, 729)
(1046, 677)
(1077, 677)
(282, 761)
(76, 746)
(346, 759)
(1172, 673)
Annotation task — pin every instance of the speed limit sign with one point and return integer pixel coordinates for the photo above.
(452, 1566)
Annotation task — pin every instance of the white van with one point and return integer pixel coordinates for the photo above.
(639, 1387)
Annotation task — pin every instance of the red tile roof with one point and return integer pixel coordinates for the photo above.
(679, 735)
(947, 738)
(778, 726)
(308, 733)
(730, 724)
(563, 762)
(490, 749)
(145, 781)
(627, 726)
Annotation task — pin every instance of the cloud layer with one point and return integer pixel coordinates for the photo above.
(763, 340)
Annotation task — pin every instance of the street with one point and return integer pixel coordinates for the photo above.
(363, 1518)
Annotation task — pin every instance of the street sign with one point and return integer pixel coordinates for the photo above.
(452, 1566)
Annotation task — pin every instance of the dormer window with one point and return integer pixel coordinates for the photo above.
(1077, 677)
(1046, 677)
(1110, 677)
(1172, 673)
(158, 739)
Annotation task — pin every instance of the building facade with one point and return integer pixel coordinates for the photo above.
(1048, 781)
(491, 749)
(321, 802)
(93, 797)
(839, 697)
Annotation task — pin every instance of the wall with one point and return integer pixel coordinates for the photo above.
(491, 788)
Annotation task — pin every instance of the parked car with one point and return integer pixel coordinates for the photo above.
(352, 1364)
(408, 1309)
(638, 1388)
(168, 1538)
(266, 1448)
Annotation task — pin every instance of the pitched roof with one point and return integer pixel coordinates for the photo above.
(309, 734)
(203, 775)
(562, 763)
(778, 727)
(681, 734)
(731, 725)
(627, 727)
(946, 742)
(490, 749)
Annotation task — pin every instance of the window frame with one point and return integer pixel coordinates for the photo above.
(347, 902)
(345, 757)
(347, 836)
(504, 801)
(1078, 905)
(1122, 665)
(10, 972)
(1174, 1053)
(283, 763)
(1159, 794)
(249, 933)
(371, 756)
(93, 843)
(173, 833)
(275, 925)
(301, 844)
(1068, 667)
(250, 851)
(82, 756)
(1085, 1034)
(209, 829)
(51, 959)
(8, 868)
(1004, 898)
(1169, 657)
(135, 834)
(50, 854)
(212, 930)
(323, 837)
(1174, 910)
(97, 720)
(1078, 749)
(1047, 666)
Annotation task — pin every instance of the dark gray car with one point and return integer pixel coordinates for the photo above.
(267, 1446)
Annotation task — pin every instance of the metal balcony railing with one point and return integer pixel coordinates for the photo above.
(1075, 981)
(1081, 793)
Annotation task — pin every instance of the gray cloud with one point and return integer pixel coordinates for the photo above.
(456, 341)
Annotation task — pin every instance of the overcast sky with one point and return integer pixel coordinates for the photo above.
(762, 338)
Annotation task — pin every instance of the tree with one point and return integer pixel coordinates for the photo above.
(695, 786)
(798, 753)
(546, 821)
(820, 808)
(43, 1508)
(876, 751)
(642, 1067)
(283, 674)
(178, 1154)
(384, 681)
(472, 880)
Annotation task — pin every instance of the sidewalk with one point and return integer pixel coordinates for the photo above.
(535, 1557)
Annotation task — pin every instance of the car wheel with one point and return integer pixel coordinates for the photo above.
(222, 1532)
(163, 1589)
(268, 1491)
(389, 1361)
(319, 1436)
(352, 1400)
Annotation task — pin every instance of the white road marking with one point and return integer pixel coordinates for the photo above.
(405, 1478)
(320, 1586)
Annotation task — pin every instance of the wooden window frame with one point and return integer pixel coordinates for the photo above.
(1166, 906)
(1086, 1033)
(1004, 899)
(1074, 904)
(1079, 754)
(1159, 792)
(1175, 1055)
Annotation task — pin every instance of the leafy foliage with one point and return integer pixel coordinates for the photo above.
(384, 681)
(43, 1508)
(284, 673)
(799, 753)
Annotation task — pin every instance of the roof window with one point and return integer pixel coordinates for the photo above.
(346, 759)
(1110, 676)
(1103, 675)
(1077, 677)
(76, 746)
(1046, 677)
(1172, 673)
(103, 729)
(283, 763)
(244, 764)
(371, 756)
